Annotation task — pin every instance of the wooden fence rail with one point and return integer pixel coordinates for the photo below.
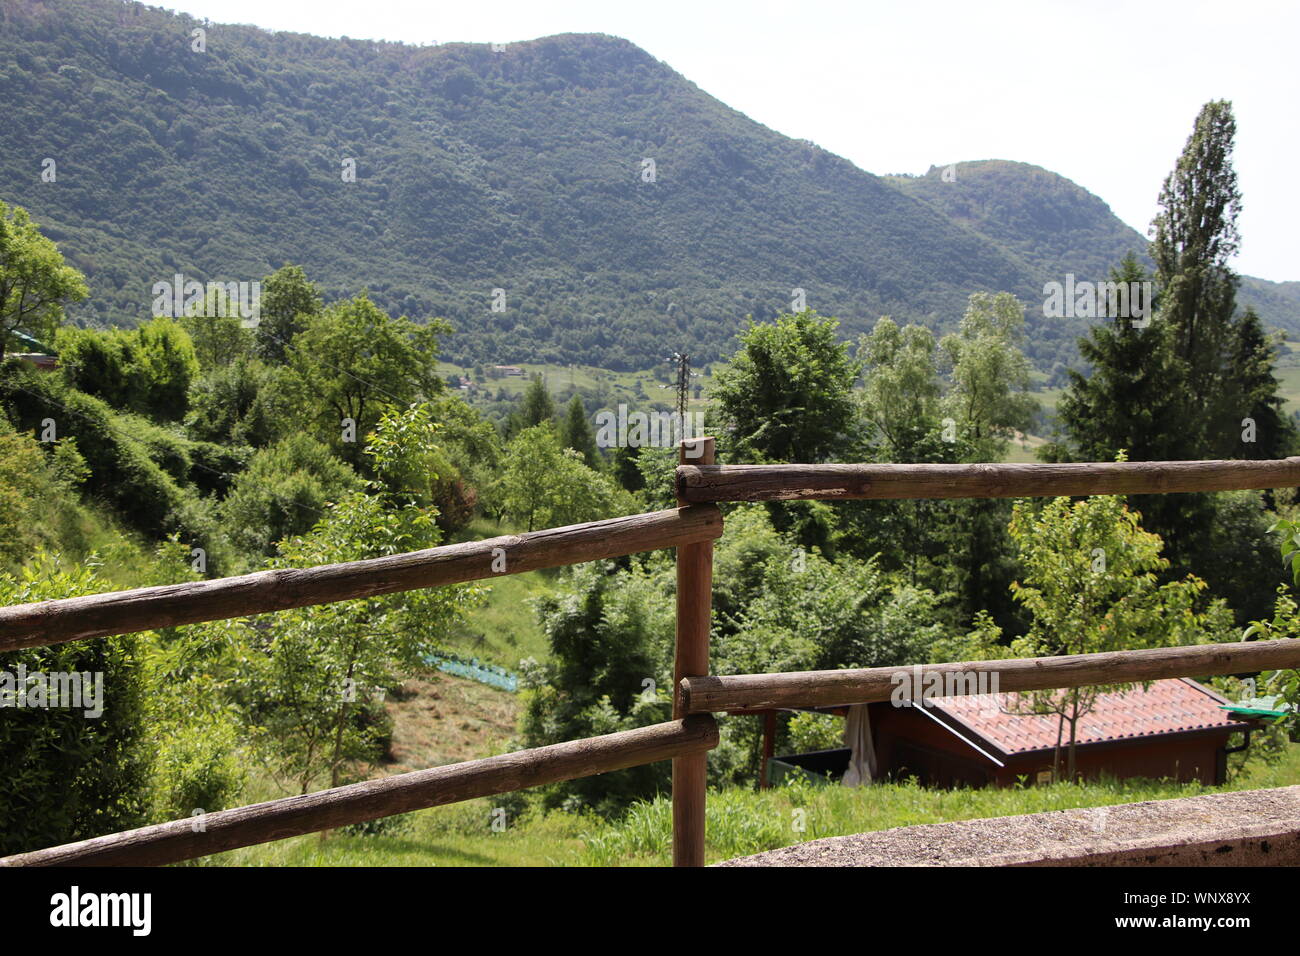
(358, 802)
(741, 692)
(703, 483)
(691, 528)
(124, 612)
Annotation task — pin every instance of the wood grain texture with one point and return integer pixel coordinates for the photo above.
(701, 483)
(694, 613)
(327, 809)
(756, 692)
(123, 612)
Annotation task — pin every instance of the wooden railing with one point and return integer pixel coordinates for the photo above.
(691, 529)
(401, 793)
(124, 612)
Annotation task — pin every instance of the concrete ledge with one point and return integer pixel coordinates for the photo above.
(1245, 828)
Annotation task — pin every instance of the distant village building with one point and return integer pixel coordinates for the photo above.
(508, 370)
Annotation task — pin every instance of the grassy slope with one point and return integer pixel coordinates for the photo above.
(557, 376)
(446, 719)
(504, 628)
(1289, 376)
(77, 529)
(622, 385)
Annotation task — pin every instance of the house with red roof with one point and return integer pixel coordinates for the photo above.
(1175, 729)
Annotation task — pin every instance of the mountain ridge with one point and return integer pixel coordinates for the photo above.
(1105, 237)
(521, 170)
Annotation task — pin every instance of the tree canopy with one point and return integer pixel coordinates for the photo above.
(35, 283)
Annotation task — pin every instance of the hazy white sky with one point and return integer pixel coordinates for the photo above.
(1101, 91)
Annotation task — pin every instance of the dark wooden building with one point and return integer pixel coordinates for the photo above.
(1175, 729)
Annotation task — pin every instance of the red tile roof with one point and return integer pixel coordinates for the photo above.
(1167, 707)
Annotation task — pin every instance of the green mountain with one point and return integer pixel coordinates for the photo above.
(225, 154)
(1048, 222)
(1056, 226)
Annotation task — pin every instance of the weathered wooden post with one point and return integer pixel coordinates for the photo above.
(694, 609)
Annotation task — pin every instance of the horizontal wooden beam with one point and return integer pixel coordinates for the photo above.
(755, 692)
(279, 819)
(124, 612)
(701, 483)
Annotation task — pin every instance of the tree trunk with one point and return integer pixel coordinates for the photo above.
(1056, 754)
(1074, 727)
(338, 738)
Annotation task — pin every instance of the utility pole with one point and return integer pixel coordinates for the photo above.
(683, 384)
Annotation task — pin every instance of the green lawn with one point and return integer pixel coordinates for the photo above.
(459, 835)
(739, 822)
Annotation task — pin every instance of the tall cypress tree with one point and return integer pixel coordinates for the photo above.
(1194, 236)
(1180, 388)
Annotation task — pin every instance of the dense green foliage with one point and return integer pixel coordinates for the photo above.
(35, 283)
(1049, 222)
(547, 485)
(786, 395)
(151, 475)
(69, 775)
(350, 364)
(776, 607)
(283, 493)
(148, 370)
(288, 300)
(314, 693)
(1194, 381)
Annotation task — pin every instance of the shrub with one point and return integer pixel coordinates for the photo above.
(283, 493)
(198, 768)
(69, 776)
(117, 449)
(146, 370)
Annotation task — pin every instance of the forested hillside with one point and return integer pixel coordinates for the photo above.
(1056, 226)
(522, 169)
(1051, 224)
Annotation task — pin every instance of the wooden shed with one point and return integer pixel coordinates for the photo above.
(1175, 729)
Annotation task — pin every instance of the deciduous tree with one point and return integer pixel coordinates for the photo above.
(288, 301)
(1090, 583)
(787, 395)
(35, 283)
(352, 363)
